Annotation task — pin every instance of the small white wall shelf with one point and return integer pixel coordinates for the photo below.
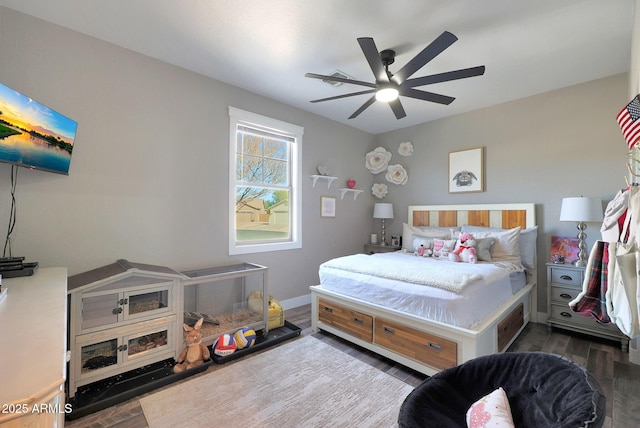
(329, 179)
(344, 191)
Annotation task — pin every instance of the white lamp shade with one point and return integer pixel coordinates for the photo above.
(581, 209)
(383, 210)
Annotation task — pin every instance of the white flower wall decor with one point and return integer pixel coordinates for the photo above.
(396, 174)
(377, 160)
(405, 148)
(379, 190)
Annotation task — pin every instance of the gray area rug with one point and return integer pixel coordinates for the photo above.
(302, 383)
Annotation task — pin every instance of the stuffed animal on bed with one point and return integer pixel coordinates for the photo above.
(423, 251)
(196, 352)
(465, 250)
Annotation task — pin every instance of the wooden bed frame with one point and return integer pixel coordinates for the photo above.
(421, 344)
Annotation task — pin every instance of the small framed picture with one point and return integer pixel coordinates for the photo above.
(327, 206)
(564, 249)
(466, 171)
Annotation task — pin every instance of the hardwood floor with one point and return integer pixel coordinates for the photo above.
(619, 379)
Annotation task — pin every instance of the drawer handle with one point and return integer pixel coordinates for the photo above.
(328, 309)
(566, 296)
(123, 348)
(565, 314)
(434, 346)
(566, 277)
(388, 330)
(358, 320)
(116, 311)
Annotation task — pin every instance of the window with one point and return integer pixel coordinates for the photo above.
(264, 178)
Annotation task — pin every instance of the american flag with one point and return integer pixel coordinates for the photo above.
(629, 123)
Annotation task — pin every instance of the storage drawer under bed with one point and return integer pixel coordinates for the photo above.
(427, 348)
(355, 323)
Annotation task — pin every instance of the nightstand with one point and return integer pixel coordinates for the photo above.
(373, 248)
(564, 283)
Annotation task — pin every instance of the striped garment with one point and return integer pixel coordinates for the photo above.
(593, 303)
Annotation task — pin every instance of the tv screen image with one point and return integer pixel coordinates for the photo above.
(32, 135)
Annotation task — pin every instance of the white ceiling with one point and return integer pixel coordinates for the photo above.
(266, 47)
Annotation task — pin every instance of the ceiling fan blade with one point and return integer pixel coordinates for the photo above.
(426, 96)
(337, 97)
(340, 79)
(436, 47)
(372, 55)
(397, 108)
(363, 107)
(445, 77)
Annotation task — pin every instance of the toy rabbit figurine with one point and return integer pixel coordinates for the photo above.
(195, 353)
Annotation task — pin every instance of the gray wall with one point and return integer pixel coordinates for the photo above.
(149, 175)
(538, 149)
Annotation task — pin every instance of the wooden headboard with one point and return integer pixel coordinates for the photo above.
(505, 216)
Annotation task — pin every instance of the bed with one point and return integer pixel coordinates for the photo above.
(397, 305)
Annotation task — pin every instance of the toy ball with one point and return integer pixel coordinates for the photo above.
(224, 345)
(245, 338)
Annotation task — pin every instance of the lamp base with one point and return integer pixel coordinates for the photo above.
(582, 246)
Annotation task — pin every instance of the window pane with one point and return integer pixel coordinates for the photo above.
(262, 214)
(275, 172)
(276, 149)
(250, 169)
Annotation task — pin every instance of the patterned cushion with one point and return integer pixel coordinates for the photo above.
(492, 410)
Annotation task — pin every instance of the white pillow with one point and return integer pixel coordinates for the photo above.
(506, 247)
(528, 239)
(426, 231)
(492, 410)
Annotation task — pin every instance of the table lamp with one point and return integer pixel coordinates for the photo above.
(383, 211)
(583, 210)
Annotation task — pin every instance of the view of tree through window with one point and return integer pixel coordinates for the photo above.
(262, 185)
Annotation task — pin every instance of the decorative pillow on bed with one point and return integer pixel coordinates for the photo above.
(483, 249)
(492, 410)
(528, 239)
(442, 247)
(426, 232)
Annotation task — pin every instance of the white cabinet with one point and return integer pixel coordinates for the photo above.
(122, 316)
(33, 349)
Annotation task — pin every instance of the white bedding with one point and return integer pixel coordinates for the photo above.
(465, 307)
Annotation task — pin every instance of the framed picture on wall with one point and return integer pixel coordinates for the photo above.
(466, 170)
(327, 206)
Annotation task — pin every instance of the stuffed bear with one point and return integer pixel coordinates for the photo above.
(423, 251)
(465, 250)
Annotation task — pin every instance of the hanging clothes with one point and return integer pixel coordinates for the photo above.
(591, 302)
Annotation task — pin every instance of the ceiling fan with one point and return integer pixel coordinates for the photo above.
(389, 86)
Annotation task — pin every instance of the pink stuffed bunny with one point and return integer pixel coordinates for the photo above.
(465, 249)
(196, 352)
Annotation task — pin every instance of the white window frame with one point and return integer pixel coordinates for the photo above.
(239, 117)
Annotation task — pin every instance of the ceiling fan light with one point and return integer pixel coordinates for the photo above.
(387, 94)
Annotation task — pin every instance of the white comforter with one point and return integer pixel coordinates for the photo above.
(467, 308)
(400, 266)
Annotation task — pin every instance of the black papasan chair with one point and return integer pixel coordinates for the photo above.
(543, 390)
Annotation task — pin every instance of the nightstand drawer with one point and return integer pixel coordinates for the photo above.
(560, 275)
(564, 314)
(563, 294)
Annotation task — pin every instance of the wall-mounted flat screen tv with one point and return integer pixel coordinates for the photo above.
(32, 135)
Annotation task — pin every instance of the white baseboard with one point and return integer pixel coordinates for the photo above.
(296, 302)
